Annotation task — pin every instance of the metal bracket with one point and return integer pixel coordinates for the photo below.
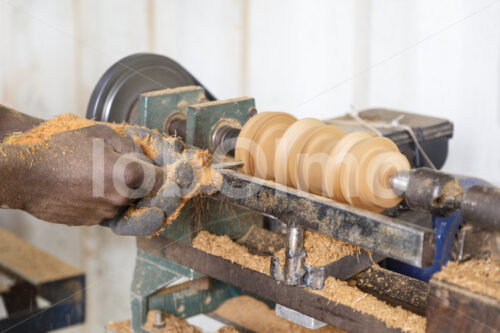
(297, 273)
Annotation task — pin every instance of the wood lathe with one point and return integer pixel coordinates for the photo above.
(340, 222)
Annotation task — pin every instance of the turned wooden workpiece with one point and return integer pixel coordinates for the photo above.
(309, 155)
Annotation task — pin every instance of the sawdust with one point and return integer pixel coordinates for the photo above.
(223, 246)
(322, 250)
(11, 138)
(394, 317)
(59, 124)
(135, 211)
(256, 316)
(147, 146)
(119, 326)
(335, 290)
(227, 329)
(208, 180)
(482, 276)
(169, 219)
(173, 324)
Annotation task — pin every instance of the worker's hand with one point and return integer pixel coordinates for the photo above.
(188, 176)
(84, 176)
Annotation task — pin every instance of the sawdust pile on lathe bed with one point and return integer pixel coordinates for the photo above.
(322, 250)
(482, 276)
(394, 317)
(223, 246)
(256, 316)
(173, 324)
(335, 290)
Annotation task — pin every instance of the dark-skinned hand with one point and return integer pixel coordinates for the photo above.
(79, 177)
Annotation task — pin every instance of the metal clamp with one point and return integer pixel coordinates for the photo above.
(296, 272)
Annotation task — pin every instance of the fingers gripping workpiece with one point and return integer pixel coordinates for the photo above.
(186, 175)
(307, 154)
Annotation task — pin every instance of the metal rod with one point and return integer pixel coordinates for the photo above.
(177, 127)
(399, 182)
(224, 139)
(295, 256)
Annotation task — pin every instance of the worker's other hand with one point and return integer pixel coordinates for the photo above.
(84, 176)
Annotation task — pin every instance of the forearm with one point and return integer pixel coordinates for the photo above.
(14, 121)
(13, 176)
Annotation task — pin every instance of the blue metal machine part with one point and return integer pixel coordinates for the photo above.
(446, 229)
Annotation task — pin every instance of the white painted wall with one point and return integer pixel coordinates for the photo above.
(310, 58)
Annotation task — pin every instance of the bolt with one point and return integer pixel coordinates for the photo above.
(159, 320)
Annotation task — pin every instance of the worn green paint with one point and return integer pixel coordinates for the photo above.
(202, 118)
(184, 301)
(150, 275)
(155, 107)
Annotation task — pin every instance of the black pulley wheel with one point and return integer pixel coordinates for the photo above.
(115, 96)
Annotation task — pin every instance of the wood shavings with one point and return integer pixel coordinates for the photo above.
(62, 123)
(173, 324)
(394, 317)
(335, 290)
(11, 138)
(482, 276)
(223, 246)
(147, 146)
(322, 250)
(255, 315)
(208, 180)
(59, 124)
(132, 211)
(119, 326)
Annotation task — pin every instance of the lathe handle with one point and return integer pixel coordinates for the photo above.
(480, 206)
